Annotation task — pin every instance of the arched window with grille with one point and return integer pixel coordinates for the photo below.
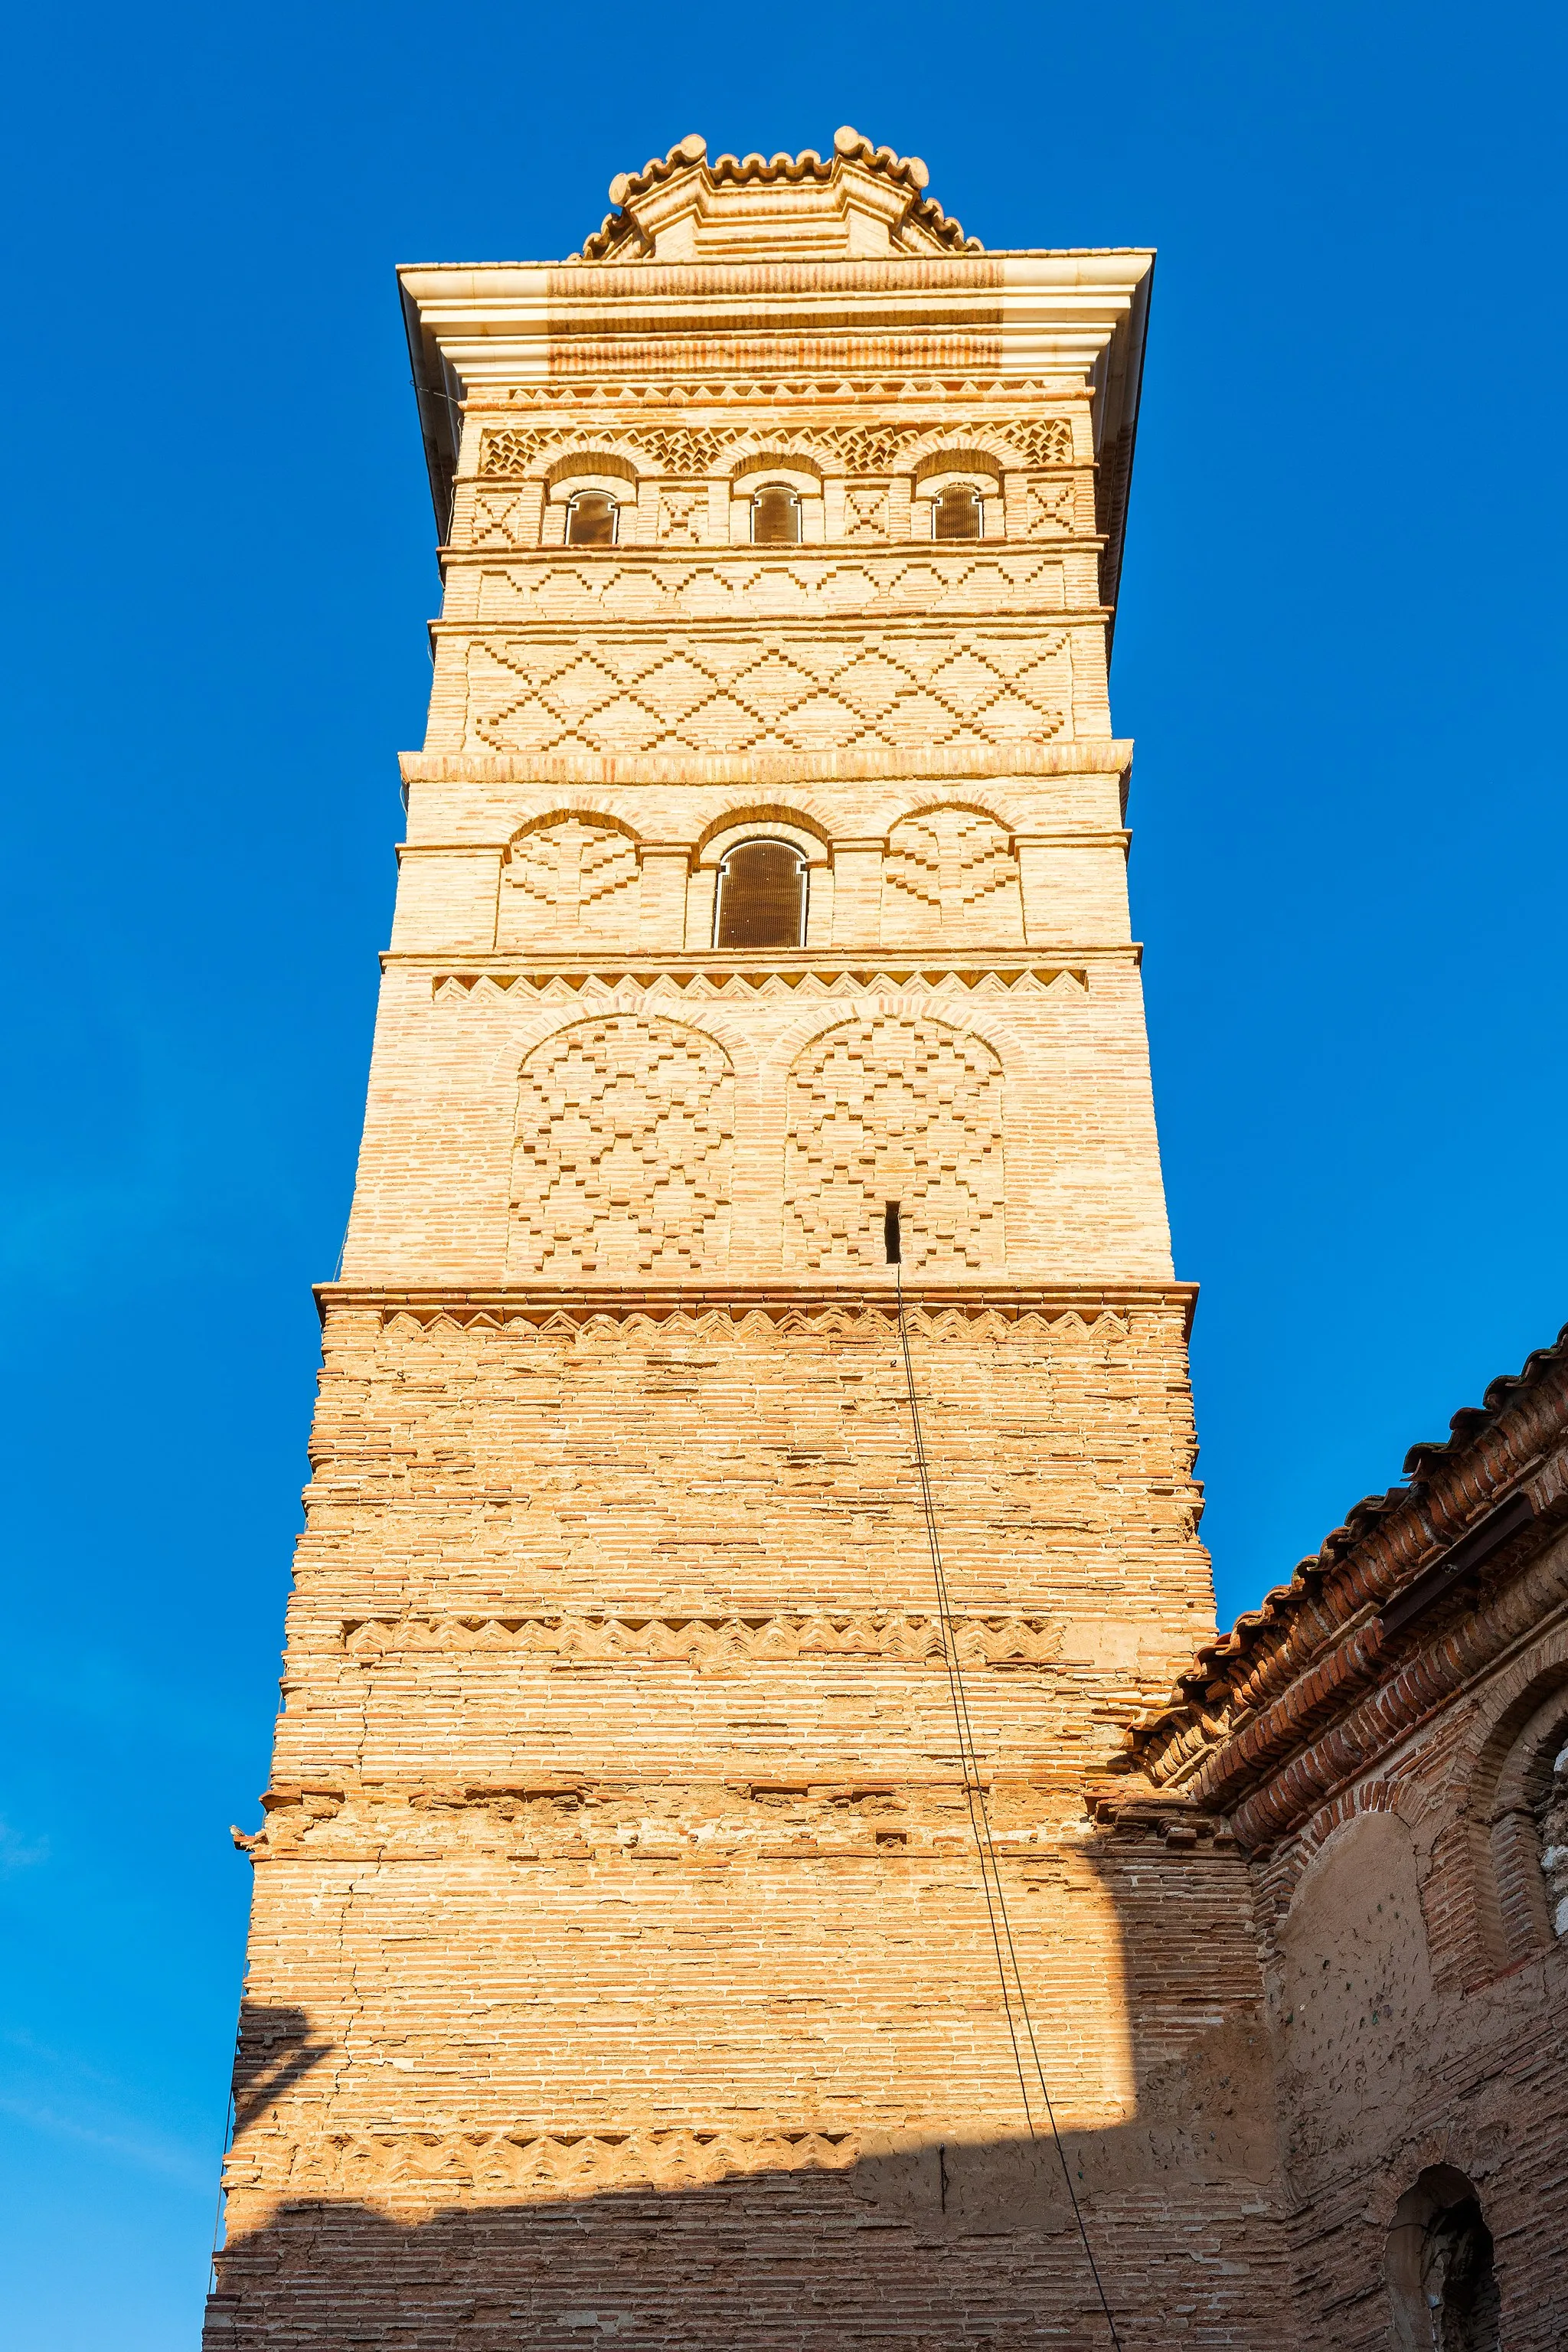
(762, 897)
(775, 515)
(958, 511)
(592, 518)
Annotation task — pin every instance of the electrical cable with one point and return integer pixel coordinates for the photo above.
(1007, 1967)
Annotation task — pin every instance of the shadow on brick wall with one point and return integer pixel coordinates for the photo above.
(413, 2240)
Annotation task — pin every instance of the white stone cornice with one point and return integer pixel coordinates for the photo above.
(496, 323)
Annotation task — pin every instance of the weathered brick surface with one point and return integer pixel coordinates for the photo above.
(1398, 1783)
(620, 1966)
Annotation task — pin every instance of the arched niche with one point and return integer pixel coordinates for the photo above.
(569, 881)
(621, 1163)
(705, 890)
(1516, 1805)
(894, 1109)
(950, 877)
(1438, 2267)
(1355, 1994)
(790, 481)
(954, 488)
(582, 482)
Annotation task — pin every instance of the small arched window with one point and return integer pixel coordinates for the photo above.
(775, 515)
(592, 517)
(762, 897)
(958, 511)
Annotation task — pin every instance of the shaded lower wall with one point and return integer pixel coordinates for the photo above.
(935, 2247)
(345, 2233)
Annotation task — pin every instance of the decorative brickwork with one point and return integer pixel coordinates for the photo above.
(568, 884)
(1051, 506)
(683, 517)
(799, 694)
(895, 1110)
(685, 452)
(622, 1165)
(950, 875)
(738, 587)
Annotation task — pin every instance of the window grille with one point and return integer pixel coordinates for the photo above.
(762, 897)
(957, 512)
(592, 517)
(775, 515)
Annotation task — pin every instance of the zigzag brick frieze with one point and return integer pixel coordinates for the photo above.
(816, 1323)
(524, 2165)
(731, 584)
(819, 982)
(719, 1644)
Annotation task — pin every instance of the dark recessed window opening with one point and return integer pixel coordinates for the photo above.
(762, 897)
(591, 519)
(957, 512)
(775, 515)
(892, 1240)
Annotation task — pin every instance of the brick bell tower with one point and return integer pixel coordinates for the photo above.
(620, 1966)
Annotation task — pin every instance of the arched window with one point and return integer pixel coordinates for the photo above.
(762, 897)
(591, 519)
(1439, 2268)
(1552, 1823)
(775, 515)
(958, 511)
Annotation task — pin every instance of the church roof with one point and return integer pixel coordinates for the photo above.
(1251, 1697)
(857, 202)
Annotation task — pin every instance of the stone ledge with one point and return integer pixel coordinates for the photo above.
(1094, 755)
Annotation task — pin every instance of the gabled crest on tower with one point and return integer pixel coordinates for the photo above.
(862, 202)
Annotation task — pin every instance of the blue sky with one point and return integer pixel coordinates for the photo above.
(1338, 651)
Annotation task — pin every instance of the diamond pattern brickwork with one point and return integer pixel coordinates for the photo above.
(894, 1109)
(796, 694)
(568, 884)
(622, 1166)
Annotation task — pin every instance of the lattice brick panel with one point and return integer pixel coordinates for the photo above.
(624, 1146)
(895, 1110)
(796, 694)
(569, 885)
(951, 875)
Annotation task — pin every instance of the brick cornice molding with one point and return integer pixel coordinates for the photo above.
(1087, 756)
